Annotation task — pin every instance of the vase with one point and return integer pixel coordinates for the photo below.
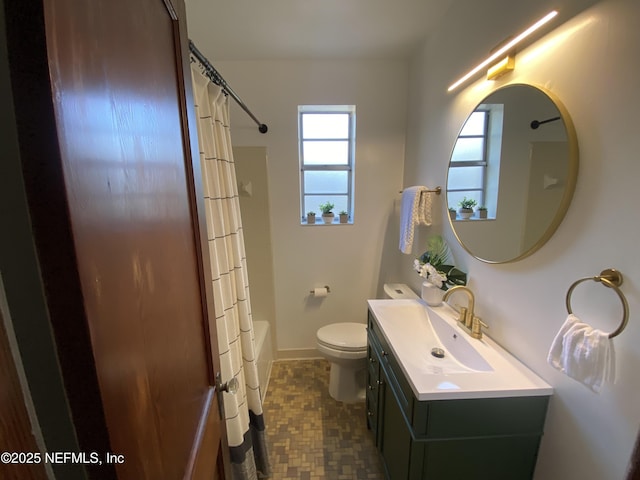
(431, 294)
(465, 213)
(327, 218)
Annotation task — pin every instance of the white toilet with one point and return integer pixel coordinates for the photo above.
(345, 346)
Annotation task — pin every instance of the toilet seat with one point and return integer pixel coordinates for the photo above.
(348, 337)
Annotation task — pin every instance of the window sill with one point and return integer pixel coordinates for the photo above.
(322, 224)
(473, 219)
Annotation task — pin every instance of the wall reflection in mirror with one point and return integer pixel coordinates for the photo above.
(516, 156)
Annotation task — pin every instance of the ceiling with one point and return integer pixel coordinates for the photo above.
(311, 29)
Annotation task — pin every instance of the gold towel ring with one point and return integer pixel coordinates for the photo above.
(609, 278)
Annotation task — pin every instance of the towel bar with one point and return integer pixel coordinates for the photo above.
(609, 278)
(437, 190)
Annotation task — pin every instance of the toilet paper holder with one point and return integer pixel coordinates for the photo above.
(312, 292)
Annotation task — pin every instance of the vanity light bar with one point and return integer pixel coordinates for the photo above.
(505, 48)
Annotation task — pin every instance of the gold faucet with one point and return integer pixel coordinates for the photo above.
(467, 318)
(466, 314)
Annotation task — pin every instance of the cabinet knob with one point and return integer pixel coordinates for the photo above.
(384, 354)
(370, 387)
(380, 382)
(369, 413)
(372, 360)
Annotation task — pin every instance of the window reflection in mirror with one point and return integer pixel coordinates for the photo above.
(474, 171)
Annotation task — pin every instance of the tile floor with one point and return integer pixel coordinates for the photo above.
(311, 436)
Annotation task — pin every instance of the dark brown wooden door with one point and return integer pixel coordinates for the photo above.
(117, 74)
(16, 432)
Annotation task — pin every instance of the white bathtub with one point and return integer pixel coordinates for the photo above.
(264, 354)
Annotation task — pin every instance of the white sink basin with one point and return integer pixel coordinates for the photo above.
(436, 338)
(468, 368)
(457, 345)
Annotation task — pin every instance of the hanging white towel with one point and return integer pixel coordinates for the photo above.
(415, 209)
(424, 207)
(583, 353)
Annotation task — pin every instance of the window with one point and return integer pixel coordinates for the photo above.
(326, 138)
(469, 161)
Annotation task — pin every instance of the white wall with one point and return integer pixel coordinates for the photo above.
(345, 257)
(589, 59)
(251, 171)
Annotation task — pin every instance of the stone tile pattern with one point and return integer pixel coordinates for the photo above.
(311, 436)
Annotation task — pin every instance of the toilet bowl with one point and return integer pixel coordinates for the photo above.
(345, 346)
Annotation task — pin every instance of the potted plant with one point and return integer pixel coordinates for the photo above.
(482, 211)
(344, 216)
(327, 212)
(433, 266)
(311, 218)
(466, 207)
(452, 213)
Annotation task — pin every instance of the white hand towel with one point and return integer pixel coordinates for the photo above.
(424, 207)
(583, 353)
(415, 209)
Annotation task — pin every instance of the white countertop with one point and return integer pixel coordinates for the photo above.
(411, 336)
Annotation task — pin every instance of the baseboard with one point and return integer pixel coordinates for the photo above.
(298, 353)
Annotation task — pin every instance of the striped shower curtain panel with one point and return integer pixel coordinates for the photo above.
(243, 411)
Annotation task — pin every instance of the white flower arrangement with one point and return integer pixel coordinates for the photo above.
(431, 265)
(430, 273)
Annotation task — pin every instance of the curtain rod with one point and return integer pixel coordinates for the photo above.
(218, 80)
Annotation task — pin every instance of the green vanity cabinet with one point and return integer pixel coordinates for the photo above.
(495, 438)
(384, 415)
(373, 387)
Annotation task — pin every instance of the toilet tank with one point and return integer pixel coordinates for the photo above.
(398, 290)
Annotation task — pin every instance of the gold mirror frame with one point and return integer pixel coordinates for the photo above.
(569, 183)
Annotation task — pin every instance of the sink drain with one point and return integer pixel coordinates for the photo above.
(437, 352)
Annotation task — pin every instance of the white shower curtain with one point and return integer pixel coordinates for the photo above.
(243, 411)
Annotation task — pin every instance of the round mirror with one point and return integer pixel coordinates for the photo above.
(515, 163)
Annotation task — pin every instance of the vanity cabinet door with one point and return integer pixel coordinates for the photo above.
(390, 365)
(395, 438)
(495, 458)
(373, 382)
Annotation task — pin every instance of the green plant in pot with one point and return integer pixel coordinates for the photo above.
(482, 211)
(311, 217)
(344, 216)
(452, 213)
(327, 212)
(466, 207)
